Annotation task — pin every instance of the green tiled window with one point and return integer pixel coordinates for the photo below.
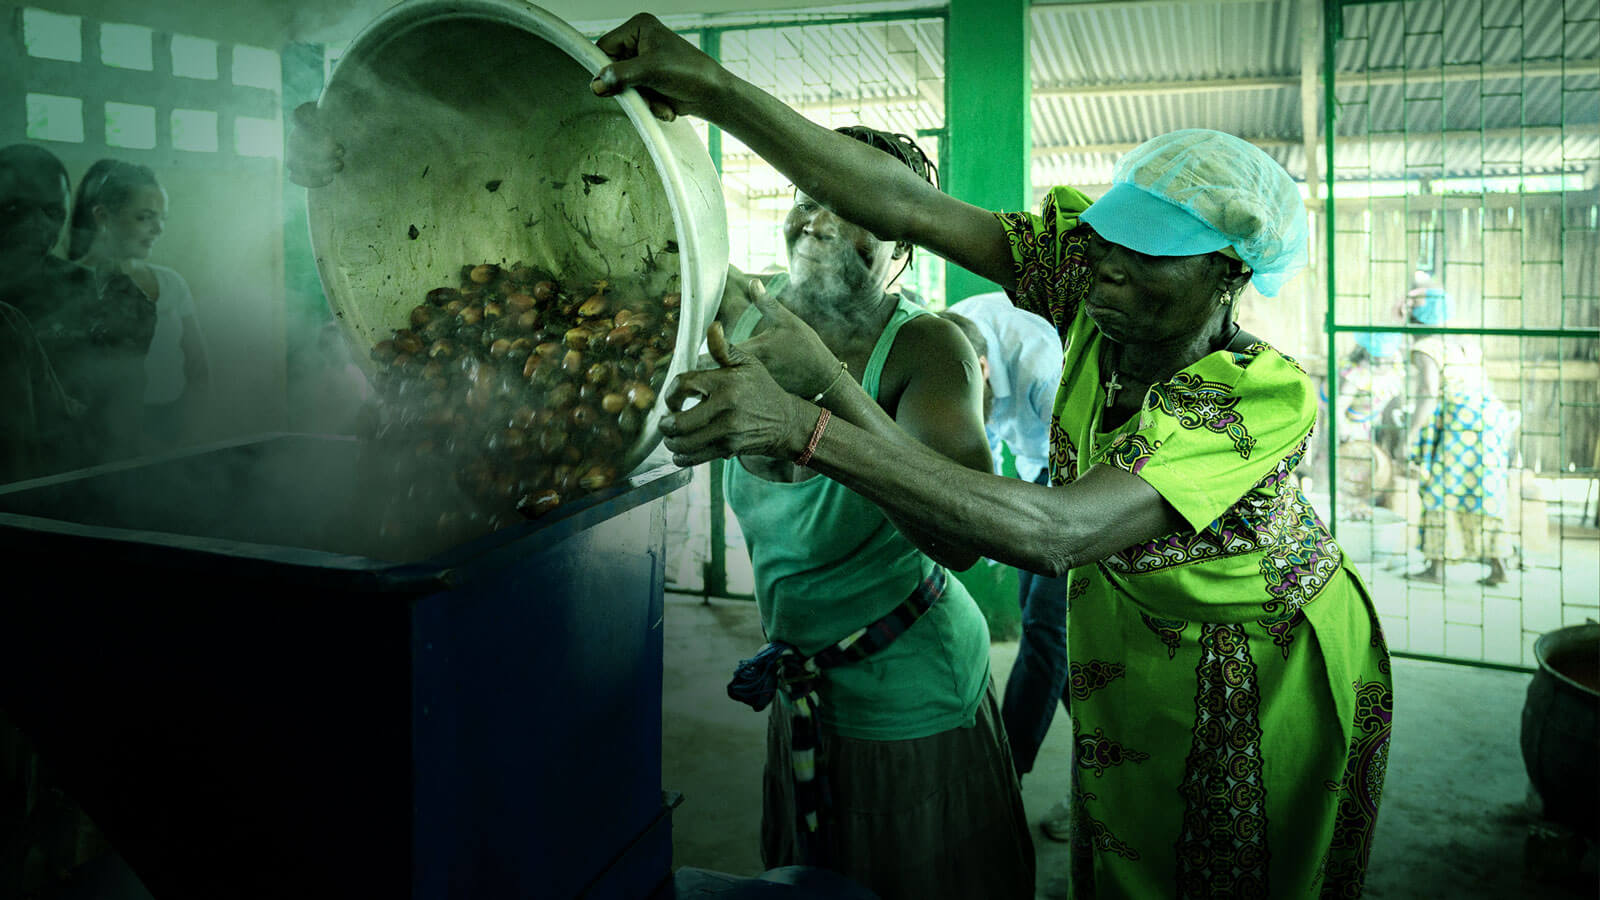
(126, 47)
(194, 57)
(130, 125)
(49, 35)
(55, 118)
(256, 67)
(194, 130)
(258, 137)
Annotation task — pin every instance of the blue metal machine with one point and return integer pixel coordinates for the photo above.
(254, 699)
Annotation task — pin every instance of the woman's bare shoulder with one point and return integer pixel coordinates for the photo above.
(927, 345)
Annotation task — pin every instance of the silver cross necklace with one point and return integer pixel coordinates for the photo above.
(1113, 384)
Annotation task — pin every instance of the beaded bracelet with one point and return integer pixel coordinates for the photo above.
(843, 367)
(816, 435)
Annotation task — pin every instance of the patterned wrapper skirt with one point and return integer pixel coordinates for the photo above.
(1465, 455)
(925, 819)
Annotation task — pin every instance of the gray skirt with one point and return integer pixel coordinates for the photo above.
(924, 819)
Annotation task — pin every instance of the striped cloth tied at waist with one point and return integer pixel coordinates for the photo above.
(780, 666)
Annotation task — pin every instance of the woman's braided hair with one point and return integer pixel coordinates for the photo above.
(903, 148)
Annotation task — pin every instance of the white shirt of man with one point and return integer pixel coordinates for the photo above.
(1024, 371)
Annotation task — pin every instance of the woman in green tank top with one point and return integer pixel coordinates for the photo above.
(897, 715)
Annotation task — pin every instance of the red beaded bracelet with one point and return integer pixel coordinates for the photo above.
(816, 435)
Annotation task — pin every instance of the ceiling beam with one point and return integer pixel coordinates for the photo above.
(1098, 5)
(1275, 143)
(1375, 77)
(746, 161)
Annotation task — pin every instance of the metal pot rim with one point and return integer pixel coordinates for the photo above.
(1552, 641)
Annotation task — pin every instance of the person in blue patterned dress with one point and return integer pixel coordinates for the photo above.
(1460, 439)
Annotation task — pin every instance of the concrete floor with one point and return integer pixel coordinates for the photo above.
(1454, 818)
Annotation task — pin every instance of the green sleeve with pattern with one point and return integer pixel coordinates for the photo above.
(1217, 430)
(1052, 272)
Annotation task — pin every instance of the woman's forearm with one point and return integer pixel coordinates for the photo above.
(855, 181)
(969, 512)
(864, 185)
(850, 403)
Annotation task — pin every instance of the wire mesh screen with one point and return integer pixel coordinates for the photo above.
(1465, 300)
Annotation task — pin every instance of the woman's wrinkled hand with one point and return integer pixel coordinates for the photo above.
(312, 155)
(672, 75)
(789, 349)
(741, 410)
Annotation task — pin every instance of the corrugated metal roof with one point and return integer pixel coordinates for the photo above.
(885, 74)
(1162, 42)
(1074, 46)
(1099, 69)
(1418, 120)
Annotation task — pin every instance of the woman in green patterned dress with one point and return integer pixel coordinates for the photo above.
(1231, 690)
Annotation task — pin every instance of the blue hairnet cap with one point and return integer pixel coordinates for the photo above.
(1197, 191)
(1381, 344)
(1433, 308)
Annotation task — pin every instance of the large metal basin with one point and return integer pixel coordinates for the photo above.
(471, 135)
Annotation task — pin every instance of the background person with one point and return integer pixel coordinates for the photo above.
(1020, 356)
(924, 800)
(34, 410)
(94, 335)
(1370, 407)
(119, 214)
(1459, 437)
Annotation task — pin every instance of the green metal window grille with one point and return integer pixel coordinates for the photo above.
(1463, 139)
(145, 117)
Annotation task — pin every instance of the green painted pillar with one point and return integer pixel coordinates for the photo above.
(306, 308)
(987, 92)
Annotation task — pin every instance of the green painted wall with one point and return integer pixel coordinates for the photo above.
(987, 94)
